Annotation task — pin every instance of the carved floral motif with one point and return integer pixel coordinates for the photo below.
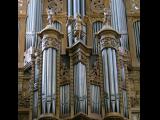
(49, 42)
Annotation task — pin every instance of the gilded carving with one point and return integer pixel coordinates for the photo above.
(22, 7)
(64, 72)
(56, 5)
(135, 5)
(97, 6)
(109, 43)
(23, 99)
(79, 53)
(49, 42)
(94, 71)
(79, 56)
(134, 95)
(135, 116)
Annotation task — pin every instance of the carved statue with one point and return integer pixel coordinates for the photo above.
(107, 15)
(78, 26)
(64, 71)
(78, 22)
(50, 13)
(95, 70)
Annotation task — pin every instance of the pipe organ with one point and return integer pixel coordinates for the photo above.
(90, 79)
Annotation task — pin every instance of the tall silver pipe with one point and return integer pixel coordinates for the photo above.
(44, 79)
(83, 7)
(115, 78)
(75, 8)
(61, 100)
(69, 7)
(78, 7)
(48, 82)
(111, 78)
(106, 78)
(54, 79)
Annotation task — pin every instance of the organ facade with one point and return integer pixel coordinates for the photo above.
(78, 60)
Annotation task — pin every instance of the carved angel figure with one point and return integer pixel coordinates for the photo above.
(107, 15)
(78, 24)
(50, 13)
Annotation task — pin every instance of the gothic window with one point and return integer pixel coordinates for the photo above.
(64, 99)
(136, 28)
(80, 88)
(95, 98)
(96, 27)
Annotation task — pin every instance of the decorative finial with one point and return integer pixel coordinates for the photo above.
(50, 14)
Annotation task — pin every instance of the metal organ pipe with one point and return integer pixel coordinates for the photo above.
(119, 21)
(80, 88)
(96, 27)
(53, 80)
(44, 79)
(106, 79)
(95, 97)
(74, 8)
(136, 27)
(49, 80)
(34, 21)
(115, 78)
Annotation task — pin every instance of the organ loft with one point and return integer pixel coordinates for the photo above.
(78, 60)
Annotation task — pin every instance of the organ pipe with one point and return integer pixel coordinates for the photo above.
(80, 88)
